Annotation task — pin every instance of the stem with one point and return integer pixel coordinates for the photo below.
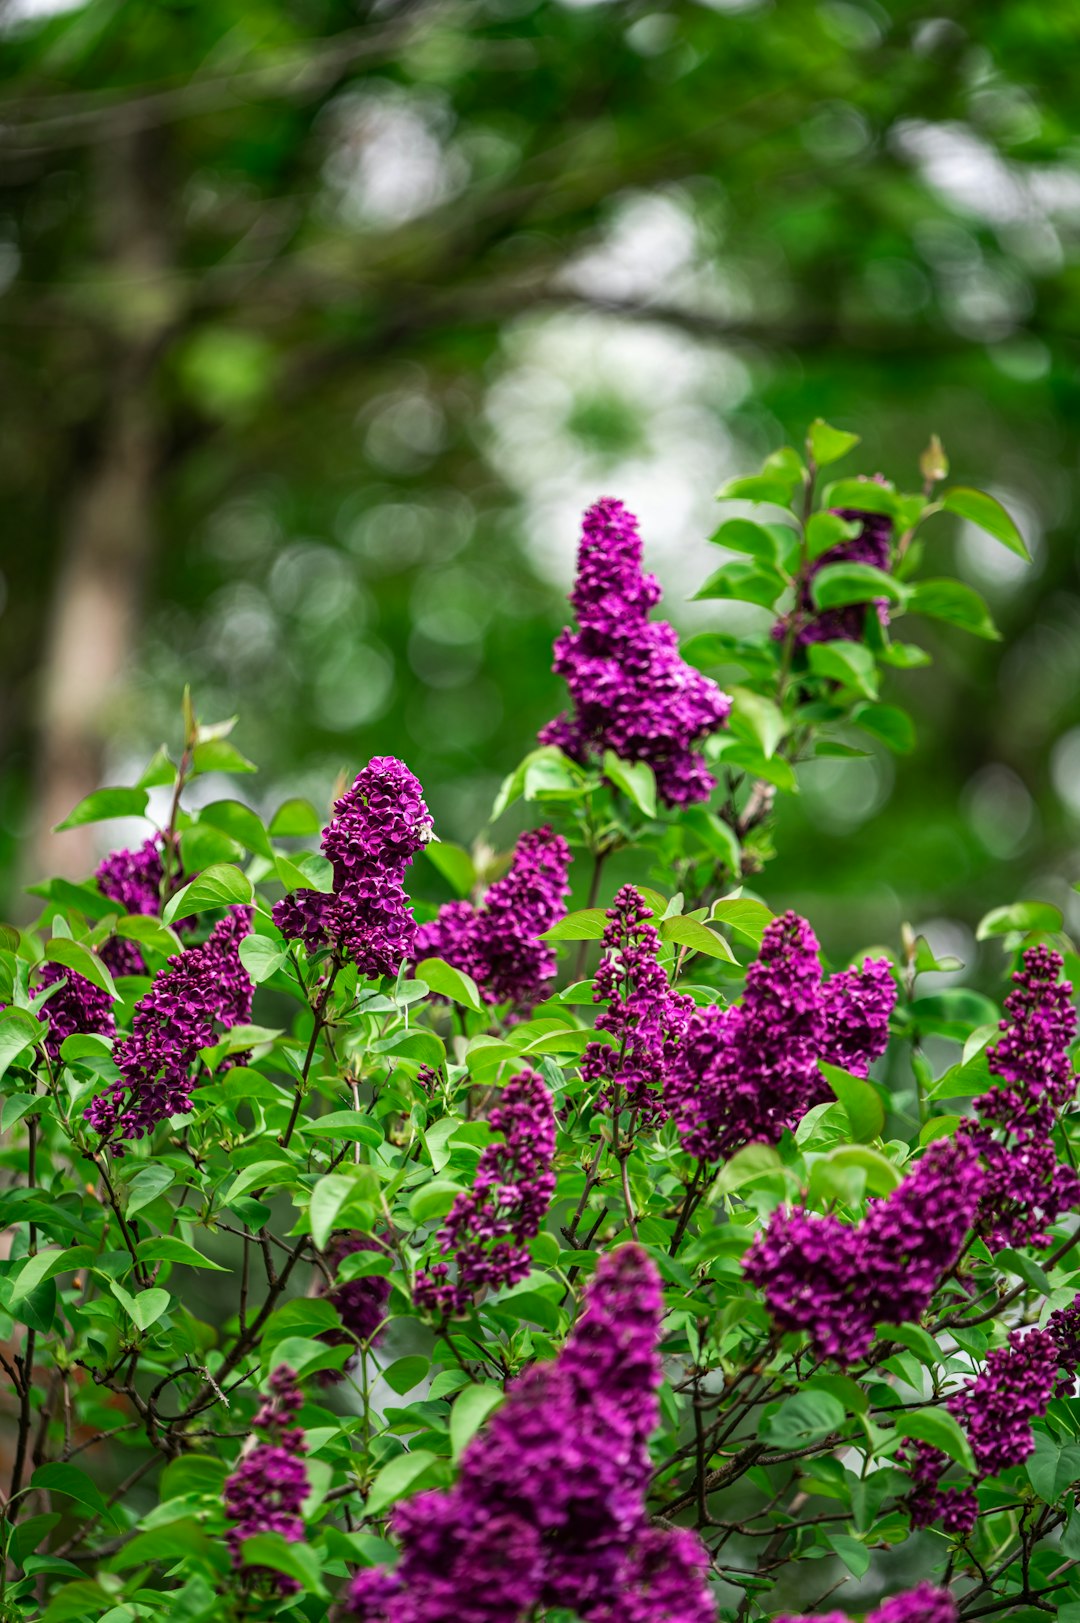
(317, 1028)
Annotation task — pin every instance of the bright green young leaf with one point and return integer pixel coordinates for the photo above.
(757, 488)
(758, 719)
(587, 924)
(865, 1111)
(955, 602)
(434, 1200)
(104, 804)
(222, 885)
(44, 1265)
(828, 444)
(146, 1186)
(398, 1478)
(62, 1477)
(469, 1413)
(743, 535)
(262, 956)
(232, 817)
(449, 982)
(837, 585)
(1024, 917)
(743, 583)
(697, 937)
(298, 1561)
(862, 495)
(987, 513)
(72, 955)
(295, 819)
(18, 1031)
(941, 1430)
(217, 755)
(881, 1176)
(405, 1374)
(746, 1166)
(804, 1418)
(168, 1248)
(636, 780)
(454, 863)
(850, 663)
(742, 914)
(893, 726)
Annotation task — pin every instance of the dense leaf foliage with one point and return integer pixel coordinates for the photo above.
(474, 1259)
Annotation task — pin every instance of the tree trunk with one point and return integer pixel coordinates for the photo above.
(110, 531)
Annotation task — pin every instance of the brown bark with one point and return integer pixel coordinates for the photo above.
(110, 531)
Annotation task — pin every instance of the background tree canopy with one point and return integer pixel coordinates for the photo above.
(322, 321)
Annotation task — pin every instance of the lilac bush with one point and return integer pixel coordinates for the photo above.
(555, 1231)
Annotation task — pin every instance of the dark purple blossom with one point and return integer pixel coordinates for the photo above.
(378, 827)
(643, 1015)
(872, 545)
(837, 1280)
(1064, 1325)
(744, 1074)
(270, 1482)
(134, 879)
(631, 691)
(489, 1227)
(76, 1006)
(498, 942)
(923, 1604)
(552, 1491)
(199, 991)
(1026, 1187)
(361, 1303)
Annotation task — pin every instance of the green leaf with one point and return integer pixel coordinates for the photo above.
(757, 488)
(469, 1412)
(636, 780)
(405, 1374)
(328, 1198)
(955, 602)
(433, 1200)
(454, 863)
(881, 1176)
(68, 1479)
(938, 1428)
(587, 924)
(78, 958)
(743, 535)
(295, 819)
(159, 771)
(148, 1307)
(167, 1248)
(757, 719)
(1025, 1268)
(221, 885)
(865, 1112)
(103, 804)
(827, 530)
(449, 982)
(217, 755)
(837, 585)
(804, 1418)
(744, 915)
(987, 513)
(351, 1126)
(262, 1175)
(850, 663)
(861, 496)
(396, 1478)
(145, 1187)
(697, 937)
(1024, 917)
(894, 727)
(752, 1162)
(150, 933)
(37, 1269)
(828, 444)
(18, 1030)
(1052, 1469)
(743, 583)
(241, 824)
(297, 1561)
(75, 1603)
(262, 957)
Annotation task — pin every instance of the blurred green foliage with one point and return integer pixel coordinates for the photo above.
(366, 303)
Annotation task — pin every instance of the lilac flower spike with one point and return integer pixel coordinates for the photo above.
(1026, 1186)
(378, 827)
(497, 943)
(265, 1492)
(837, 1281)
(549, 1509)
(643, 1014)
(134, 878)
(77, 1006)
(631, 691)
(199, 990)
(489, 1227)
(923, 1604)
(743, 1074)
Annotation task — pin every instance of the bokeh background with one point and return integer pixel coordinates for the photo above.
(321, 321)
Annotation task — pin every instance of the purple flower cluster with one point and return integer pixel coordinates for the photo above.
(134, 879)
(837, 1281)
(77, 1006)
(1026, 1188)
(270, 1483)
(631, 691)
(378, 827)
(490, 1226)
(996, 1408)
(361, 1303)
(498, 942)
(643, 1015)
(872, 545)
(923, 1604)
(743, 1074)
(1064, 1326)
(549, 1508)
(198, 991)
